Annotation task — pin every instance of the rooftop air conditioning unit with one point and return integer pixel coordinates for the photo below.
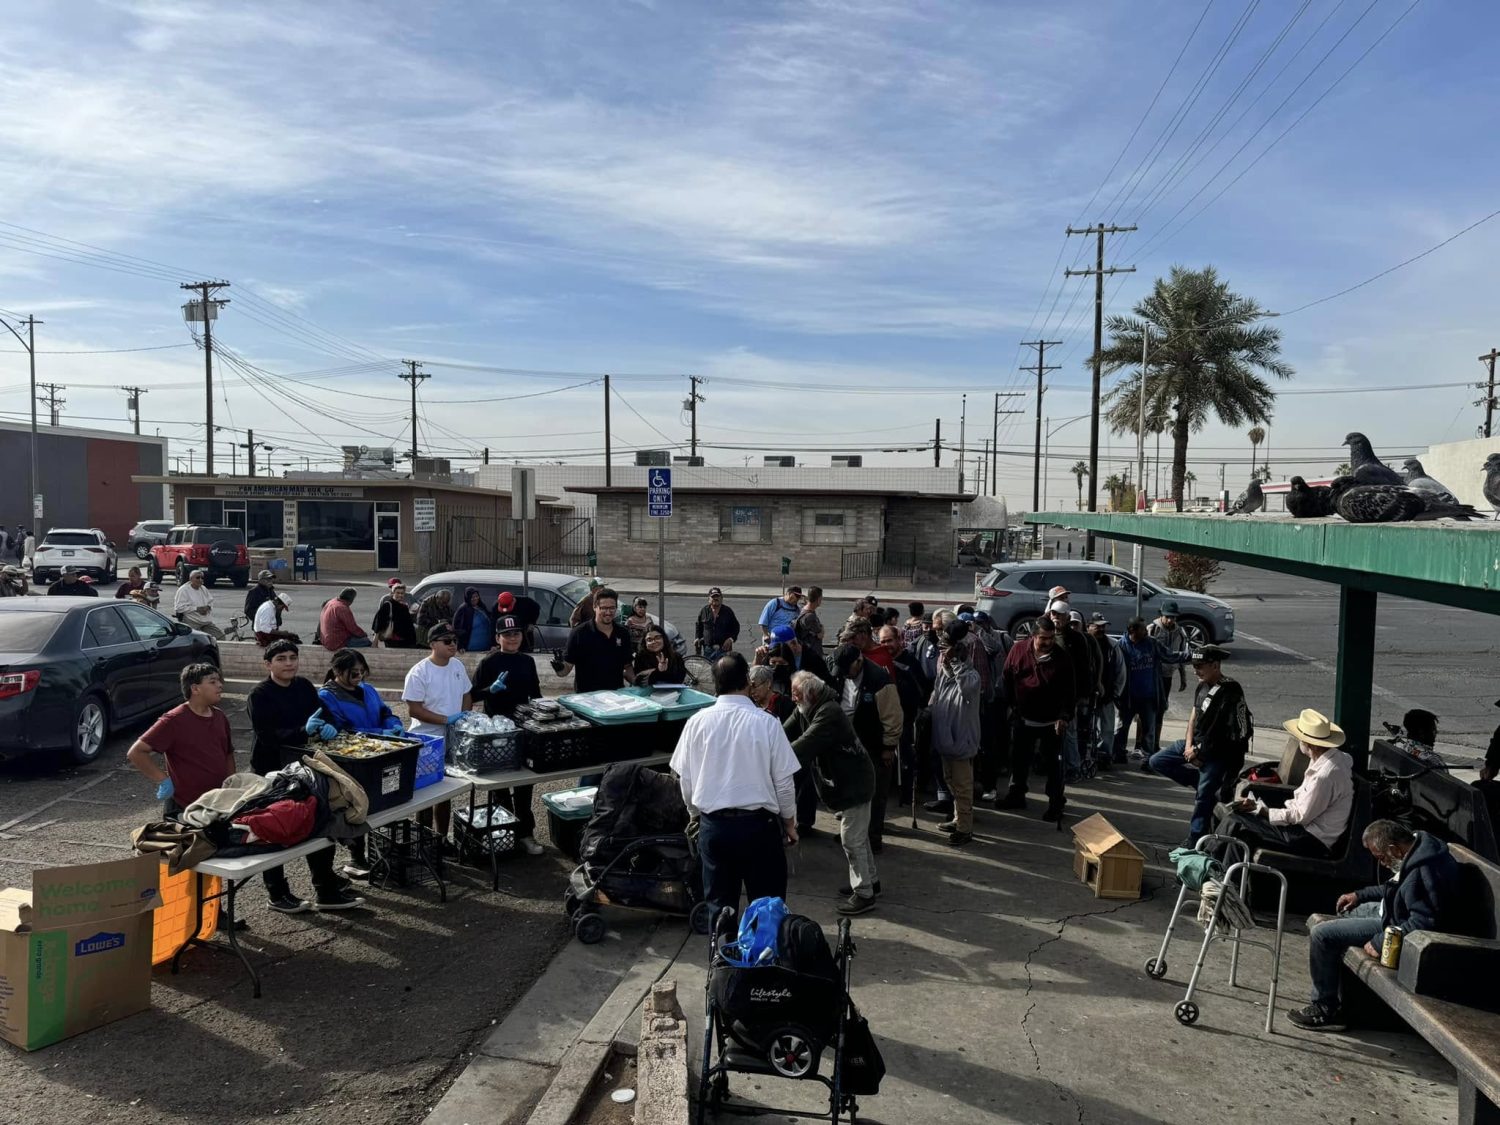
(779, 462)
(848, 461)
(653, 458)
(690, 462)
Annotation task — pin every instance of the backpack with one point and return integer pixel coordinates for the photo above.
(863, 1065)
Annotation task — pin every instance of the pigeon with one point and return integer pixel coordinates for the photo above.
(1251, 500)
(1305, 502)
(1492, 483)
(1367, 468)
(1387, 503)
(1417, 478)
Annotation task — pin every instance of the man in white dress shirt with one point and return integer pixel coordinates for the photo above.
(1317, 814)
(735, 766)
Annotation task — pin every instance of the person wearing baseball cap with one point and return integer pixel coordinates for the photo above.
(1315, 817)
(781, 611)
(1211, 755)
(505, 679)
(717, 627)
(265, 586)
(525, 609)
(1174, 639)
(801, 658)
(437, 690)
(70, 585)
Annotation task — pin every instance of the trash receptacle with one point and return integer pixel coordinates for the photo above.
(305, 561)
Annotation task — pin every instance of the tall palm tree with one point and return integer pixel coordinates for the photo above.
(1343, 470)
(1206, 352)
(1189, 479)
(1080, 470)
(1256, 435)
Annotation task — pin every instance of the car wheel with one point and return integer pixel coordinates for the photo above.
(156, 575)
(143, 551)
(1023, 625)
(1196, 631)
(90, 729)
(182, 573)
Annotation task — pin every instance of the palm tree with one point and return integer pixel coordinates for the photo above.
(1343, 470)
(1189, 479)
(1256, 435)
(1080, 470)
(1206, 350)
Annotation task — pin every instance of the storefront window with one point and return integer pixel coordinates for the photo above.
(260, 520)
(336, 525)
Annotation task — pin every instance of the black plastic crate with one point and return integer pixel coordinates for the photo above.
(403, 853)
(484, 832)
(565, 745)
(484, 753)
(388, 779)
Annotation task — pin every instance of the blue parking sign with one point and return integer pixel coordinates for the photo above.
(659, 493)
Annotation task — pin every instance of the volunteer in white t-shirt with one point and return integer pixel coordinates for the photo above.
(436, 691)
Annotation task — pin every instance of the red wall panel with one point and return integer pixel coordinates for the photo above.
(113, 497)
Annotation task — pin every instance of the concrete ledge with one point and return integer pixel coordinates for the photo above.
(661, 1069)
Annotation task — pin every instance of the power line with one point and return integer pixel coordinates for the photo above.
(98, 351)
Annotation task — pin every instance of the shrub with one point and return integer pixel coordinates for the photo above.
(1191, 572)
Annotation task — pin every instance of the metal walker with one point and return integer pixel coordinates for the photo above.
(1156, 968)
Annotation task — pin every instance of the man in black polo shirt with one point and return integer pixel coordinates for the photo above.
(598, 652)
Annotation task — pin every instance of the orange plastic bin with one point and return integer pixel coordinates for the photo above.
(174, 917)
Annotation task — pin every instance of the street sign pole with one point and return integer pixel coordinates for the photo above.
(659, 508)
(523, 508)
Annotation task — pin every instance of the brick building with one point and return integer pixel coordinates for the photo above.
(735, 533)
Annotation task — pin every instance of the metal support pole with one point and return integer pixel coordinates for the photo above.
(661, 569)
(607, 471)
(1138, 551)
(1355, 676)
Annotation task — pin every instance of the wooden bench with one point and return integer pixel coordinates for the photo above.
(1441, 986)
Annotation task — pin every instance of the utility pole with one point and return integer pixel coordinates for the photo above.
(1040, 368)
(53, 399)
(133, 404)
(963, 420)
(607, 466)
(249, 446)
(995, 440)
(693, 399)
(413, 375)
(937, 443)
(1099, 273)
(486, 455)
(206, 308)
(29, 343)
(1489, 393)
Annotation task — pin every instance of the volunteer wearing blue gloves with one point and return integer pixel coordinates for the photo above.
(509, 678)
(284, 715)
(348, 700)
(435, 693)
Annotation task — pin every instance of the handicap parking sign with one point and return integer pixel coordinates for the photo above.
(659, 493)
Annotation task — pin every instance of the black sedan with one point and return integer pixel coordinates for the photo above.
(72, 669)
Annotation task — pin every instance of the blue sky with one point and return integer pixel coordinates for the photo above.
(825, 196)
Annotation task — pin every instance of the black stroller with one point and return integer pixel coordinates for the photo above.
(778, 1019)
(635, 854)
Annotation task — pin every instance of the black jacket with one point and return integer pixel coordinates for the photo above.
(842, 772)
(521, 682)
(257, 595)
(711, 632)
(877, 717)
(1221, 732)
(1426, 895)
(278, 716)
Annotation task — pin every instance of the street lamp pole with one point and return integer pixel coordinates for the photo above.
(29, 343)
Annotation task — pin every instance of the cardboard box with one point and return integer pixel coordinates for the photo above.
(1110, 864)
(75, 950)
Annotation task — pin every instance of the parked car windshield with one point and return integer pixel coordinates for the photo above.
(575, 590)
(70, 539)
(27, 632)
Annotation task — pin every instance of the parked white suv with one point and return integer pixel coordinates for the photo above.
(83, 547)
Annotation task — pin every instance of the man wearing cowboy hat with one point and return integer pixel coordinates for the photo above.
(1218, 738)
(1317, 814)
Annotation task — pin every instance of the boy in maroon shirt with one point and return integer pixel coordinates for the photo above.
(194, 740)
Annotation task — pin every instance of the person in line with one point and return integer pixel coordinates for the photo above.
(1317, 813)
(70, 584)
(598, 653)
(267, 622)
(928, 653)
(841, 774)
(916, 625)
(809, 625)
(284, 710)
(192, 739)
(638, 621)
(988, 648)
(798, 655)
(735, 767)
(436, 609)
(348, 699)
(1174, 640)
(263, 591)
(525, 609)
(1144, 658)
(472, 624)
(18, 542)
(1218, 738)
(194, 605)
(1111, 687)
(1088, 699)
(656, 661)
(505, 679)
(1425, 892)
(771, 693)
(393, 623)
(584, 611)
(955, 707)
(336, 625)
(133, 582)
(716, 629)
(780, 611)
(1083, 657)
(911, 693)
(868, 696)
(436, 692)
(1041, 687)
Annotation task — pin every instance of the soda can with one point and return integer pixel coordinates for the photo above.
(1390, 947)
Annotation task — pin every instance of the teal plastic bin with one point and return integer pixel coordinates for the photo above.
(593, 706)
(688, 701)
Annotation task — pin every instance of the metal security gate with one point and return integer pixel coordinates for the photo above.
(470, 540)
(883, 562)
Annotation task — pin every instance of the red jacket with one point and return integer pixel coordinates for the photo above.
(1041, 690)
(336, 625)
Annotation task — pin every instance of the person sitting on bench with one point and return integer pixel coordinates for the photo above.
(1423, 893)
(1317, 814)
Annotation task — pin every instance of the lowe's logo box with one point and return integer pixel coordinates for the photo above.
(99, 943)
